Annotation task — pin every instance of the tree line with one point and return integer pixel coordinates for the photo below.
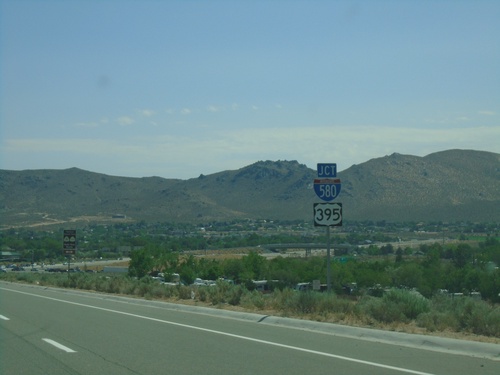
(458, 268)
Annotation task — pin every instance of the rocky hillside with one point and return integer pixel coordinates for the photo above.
(454, 185)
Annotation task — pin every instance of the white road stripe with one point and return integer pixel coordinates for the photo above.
(4, 317)
(349, 359)
(59, 346)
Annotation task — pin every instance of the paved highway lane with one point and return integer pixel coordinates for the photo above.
(52, 331)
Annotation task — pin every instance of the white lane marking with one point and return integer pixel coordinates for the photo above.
(59, 346)
(349, 359)
(4, 317)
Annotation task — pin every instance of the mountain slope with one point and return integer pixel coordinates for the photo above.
(450, 185)
(454, 185)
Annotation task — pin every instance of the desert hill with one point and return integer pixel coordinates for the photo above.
(453, 185)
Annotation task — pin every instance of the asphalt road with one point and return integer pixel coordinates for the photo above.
(54, 331)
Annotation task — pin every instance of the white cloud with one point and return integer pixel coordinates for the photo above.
(147, 112)
(212, 108)
(487, 113)
(125, 120)
(92, 124)
(185, 111)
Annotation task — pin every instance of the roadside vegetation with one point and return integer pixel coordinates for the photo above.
(397, 309)
(435, 287)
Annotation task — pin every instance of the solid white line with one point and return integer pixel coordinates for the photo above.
(59, 346)
(360, 361)
(4, 317)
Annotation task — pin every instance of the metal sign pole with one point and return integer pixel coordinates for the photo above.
(328, 261)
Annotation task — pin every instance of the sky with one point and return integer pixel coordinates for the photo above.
(176, 89)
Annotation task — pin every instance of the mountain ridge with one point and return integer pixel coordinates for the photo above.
(451, 185)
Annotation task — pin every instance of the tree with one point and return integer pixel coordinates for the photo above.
(141, 263)
(254, 265)
(461, 255)
(399, 255)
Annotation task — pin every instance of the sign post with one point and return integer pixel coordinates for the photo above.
(69, 245)
(327, 188)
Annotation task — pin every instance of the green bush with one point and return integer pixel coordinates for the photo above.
(202, 294)
(478, 317)
(411, 303)
(184, 292)
(290, 301)
(397, 305)
(438, 321)
(380, 310)
(234, 295)
(306, 302)
(216, 295)
(330, 303)
(284, 300)
(461, 314)
(253, 300)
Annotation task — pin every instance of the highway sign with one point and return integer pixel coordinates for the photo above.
(328, 214)
(327, 189)
(326, 170)
(69, 242)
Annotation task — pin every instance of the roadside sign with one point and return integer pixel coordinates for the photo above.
(327, 189)
(316, 285)
(69, 242)
(328, 214)
(327, 170)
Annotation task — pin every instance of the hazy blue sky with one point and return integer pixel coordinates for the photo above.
(180, 88)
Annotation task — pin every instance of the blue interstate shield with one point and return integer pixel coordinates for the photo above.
(327, 189)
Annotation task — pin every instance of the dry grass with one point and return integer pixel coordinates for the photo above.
(347, 320)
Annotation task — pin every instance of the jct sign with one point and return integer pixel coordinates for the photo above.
(327, 170)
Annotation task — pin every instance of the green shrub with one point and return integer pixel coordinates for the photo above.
(411, 303)
(306, 302)
(478, 317)
(234, 295)
(216, 295)
(143, 287)
(185, 292)
(438, 321)
(202, 294)
(397, 305)
(253, 300)
(330, 303)
(380, 310)
(284, 300)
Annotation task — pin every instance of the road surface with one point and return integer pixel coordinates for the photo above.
(55, 331)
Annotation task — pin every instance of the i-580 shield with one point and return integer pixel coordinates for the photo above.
(327, 189)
